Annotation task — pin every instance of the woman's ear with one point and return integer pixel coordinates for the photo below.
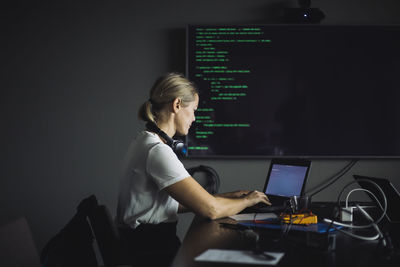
(177, 104)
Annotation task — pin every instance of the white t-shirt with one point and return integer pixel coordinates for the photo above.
(150, 166)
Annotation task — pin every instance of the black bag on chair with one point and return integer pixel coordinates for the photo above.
(73, 245)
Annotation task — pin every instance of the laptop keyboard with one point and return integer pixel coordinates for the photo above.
(264, 208)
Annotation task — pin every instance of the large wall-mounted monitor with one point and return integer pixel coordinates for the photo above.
(295, 90)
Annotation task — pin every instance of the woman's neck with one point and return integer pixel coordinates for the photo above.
(168, 127)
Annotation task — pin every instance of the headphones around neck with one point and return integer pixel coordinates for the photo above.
(178, 146)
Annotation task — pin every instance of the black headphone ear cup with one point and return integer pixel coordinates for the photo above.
(179, 147)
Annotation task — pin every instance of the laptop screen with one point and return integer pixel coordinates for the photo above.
(286, 180)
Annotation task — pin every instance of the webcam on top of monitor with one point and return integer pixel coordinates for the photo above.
(303, 14)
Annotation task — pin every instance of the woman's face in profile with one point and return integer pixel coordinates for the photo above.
(185, 117)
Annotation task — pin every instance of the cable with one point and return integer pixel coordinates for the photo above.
(354, 190)
(360, 189)
(285, 227)
(335, 178)
(365, 190)
(380, 205)
(373, 223)
(365, 238)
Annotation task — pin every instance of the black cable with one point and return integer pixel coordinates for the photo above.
(336, 177)
(288, 226)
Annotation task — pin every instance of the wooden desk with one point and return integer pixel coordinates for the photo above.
(205, 234)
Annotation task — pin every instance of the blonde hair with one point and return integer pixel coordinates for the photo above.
(164, 91)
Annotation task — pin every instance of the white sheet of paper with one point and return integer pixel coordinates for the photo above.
(238, 256)
(253, 216)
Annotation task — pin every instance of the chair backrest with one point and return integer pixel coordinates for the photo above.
(17, 247)
(207, 177)
(106, 235)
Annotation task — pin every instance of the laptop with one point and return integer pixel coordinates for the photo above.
(286, 178)
(391, 193)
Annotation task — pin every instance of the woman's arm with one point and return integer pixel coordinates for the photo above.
(182, 209)
(193, 196)
(235, 194)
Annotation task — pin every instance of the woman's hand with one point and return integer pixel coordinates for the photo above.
(240, 193)
(190, 194)
(255, 197)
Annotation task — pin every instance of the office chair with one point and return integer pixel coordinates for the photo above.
(116, 250)
(107, 237)
(208, 178)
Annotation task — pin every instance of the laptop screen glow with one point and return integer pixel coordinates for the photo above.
(286, 180)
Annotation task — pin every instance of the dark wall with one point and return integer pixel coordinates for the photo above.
(73, 76)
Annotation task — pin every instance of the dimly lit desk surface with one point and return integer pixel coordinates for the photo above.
(204, 234)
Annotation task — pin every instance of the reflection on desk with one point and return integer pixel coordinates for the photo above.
(300, 248)
(240, 256)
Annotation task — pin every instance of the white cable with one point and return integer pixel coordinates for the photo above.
(370, 218)
(380, 205)
(357, 189)
(363, 180)
(373, 223)
(365, 238)
(365, 190)
(348, 225)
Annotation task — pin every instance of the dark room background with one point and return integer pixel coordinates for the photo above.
(73, 75)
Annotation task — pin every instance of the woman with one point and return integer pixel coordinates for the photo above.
(156, 185)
